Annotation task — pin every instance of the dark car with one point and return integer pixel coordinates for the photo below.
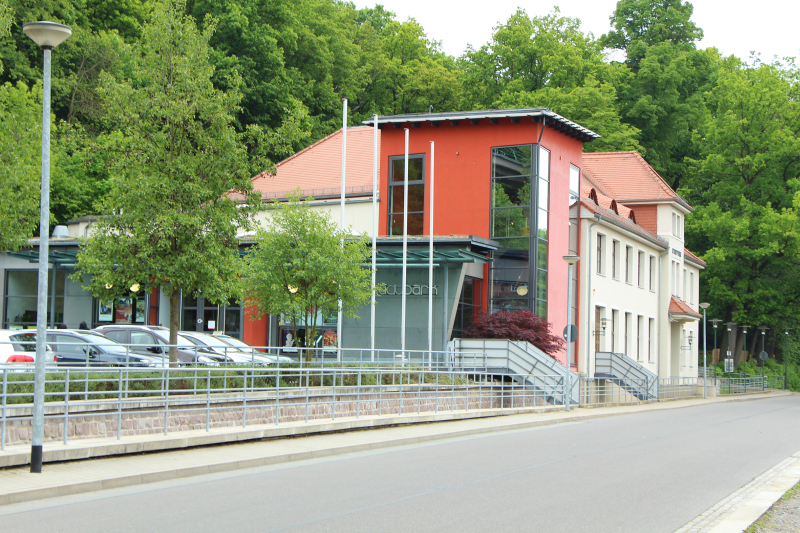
(154, 341)
(82, 348)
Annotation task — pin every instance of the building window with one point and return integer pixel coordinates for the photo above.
(640, 270)
(652, 271)
(628, 265)
(684, 293)
(691, 287)
(614, 319)
(468, 305)
(519, 213)
(639, 322)
(650, 340)
(574, 184)
(600, 256)
(598, 328)
(21, 288)
(416, 194)
(627, 330)
(615, 260)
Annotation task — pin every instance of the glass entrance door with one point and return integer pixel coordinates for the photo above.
(203, 316)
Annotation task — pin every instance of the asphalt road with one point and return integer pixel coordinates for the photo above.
(647, 472)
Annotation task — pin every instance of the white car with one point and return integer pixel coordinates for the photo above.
(236, 354)
(19, 347)
(243, 346)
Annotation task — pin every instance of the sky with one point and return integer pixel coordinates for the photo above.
(733, 26)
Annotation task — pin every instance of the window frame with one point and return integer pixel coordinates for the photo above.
(392, 184)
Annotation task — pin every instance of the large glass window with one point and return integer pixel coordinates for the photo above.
(468, 305)
(416, 194)
(520, 201)
(20, 298)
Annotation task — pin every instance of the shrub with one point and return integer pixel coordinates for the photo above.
(522, 325)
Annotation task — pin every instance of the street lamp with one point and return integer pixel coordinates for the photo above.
(47, 35)
(763, 336)
(704, 306)
(786, 360)
(714, 322)
(568, 333)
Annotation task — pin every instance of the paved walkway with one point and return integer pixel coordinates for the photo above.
(127, 462)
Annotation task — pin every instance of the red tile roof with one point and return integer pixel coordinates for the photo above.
(621, 216)
(317, 169)
(677, 307)
(627, 177)
(691, 256)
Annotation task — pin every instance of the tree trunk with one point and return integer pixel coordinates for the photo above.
(174, 325)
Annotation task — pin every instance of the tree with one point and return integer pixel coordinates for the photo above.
(745, 185)
(170, 217)
(639, 24)
(521, 325)
(302, 265)
(20, 163)
(528, 54)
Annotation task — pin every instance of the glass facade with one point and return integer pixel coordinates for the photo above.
(416, 194)
(198, 314)
(20, 298)
(520, 201)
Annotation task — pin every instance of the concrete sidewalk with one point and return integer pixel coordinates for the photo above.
(147, 459)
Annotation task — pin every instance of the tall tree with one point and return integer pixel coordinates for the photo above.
(302, 265)
(527, 54)
(170, 216)
(640, 24)
(746, 185)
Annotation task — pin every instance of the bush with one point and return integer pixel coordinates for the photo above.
(522, 325)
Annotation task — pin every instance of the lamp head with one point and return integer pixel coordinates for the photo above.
(704, 305)
(571, 259)
(48, 35)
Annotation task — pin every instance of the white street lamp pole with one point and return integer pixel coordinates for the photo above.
(704, 306)
(48, 35)
(571, 260)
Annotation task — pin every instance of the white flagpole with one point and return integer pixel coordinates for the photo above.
(405, 253)
(374, 234)
(430, 270)
(341, 225)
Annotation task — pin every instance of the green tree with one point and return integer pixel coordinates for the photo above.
(20, 163)
(528, 54)
(639, 24)
(745, 185)
(302, 265)
(171, 215)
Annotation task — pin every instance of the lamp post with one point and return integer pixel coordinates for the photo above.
(704, 306)
(47, 35)
(763, 337)
(744, 357)
(714, 322)
(571, 260)
(786, 359)
(729, 354)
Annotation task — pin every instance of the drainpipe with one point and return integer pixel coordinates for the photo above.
(589, 371)
(660, 290)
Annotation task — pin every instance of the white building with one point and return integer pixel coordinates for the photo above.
(638, 285)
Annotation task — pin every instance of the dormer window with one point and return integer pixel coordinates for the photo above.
(677, 225)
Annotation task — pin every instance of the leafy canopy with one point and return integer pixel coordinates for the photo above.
(20, 163)
(302, 264)
(170, 218)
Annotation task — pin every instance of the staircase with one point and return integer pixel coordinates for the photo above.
(627, 374)
(523, 362)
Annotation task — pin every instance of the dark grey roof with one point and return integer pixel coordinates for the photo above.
(537, 114)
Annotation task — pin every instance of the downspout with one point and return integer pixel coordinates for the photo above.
(589, 371)
(660, 313)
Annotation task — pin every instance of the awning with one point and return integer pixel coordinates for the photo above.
(56, 257)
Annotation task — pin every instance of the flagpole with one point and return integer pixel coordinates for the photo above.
(374, 234)
(405, 252)
(341, 225)
(430, 269)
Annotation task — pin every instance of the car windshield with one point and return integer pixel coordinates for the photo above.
(235, 342)
(186, 342)
(100, 339)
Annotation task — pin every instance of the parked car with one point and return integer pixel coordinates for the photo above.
(19, 346)
(246, 348)
(154, 341)
(234, 354)
(82, 348)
